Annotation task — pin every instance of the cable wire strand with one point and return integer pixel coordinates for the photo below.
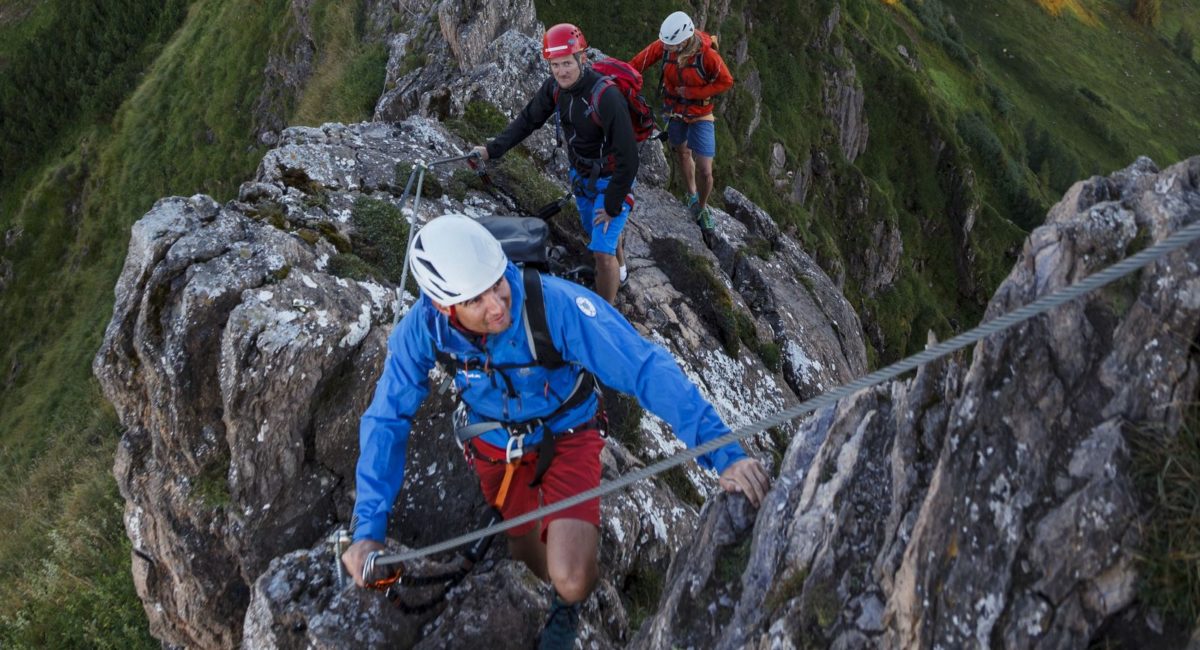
(1152, 253)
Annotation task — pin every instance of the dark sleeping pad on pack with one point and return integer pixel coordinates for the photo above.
(526, 242)
(524, 239)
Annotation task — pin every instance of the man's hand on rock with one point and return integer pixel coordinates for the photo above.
(748, 477)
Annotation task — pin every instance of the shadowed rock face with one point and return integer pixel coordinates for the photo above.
(979, 505)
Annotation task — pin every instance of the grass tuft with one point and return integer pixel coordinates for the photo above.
(1166, 472)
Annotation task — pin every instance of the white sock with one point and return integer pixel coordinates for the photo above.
(624, 273)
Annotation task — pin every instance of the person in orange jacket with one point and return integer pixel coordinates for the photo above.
(692, 74)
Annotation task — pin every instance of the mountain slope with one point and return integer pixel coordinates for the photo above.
(184, 100)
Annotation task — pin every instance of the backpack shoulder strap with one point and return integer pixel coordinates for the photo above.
(597, 90)
(537, 331)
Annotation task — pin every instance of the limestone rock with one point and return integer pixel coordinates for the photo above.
(989, 505)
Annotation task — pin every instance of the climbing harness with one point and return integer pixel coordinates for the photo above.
(1176, 240)
(544, 354)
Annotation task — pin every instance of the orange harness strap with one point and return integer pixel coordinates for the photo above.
(509, 470)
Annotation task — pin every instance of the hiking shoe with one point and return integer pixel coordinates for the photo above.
(691, 201)
(705, 219)
(561, 627)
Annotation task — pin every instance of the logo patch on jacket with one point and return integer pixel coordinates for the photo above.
(586, 306)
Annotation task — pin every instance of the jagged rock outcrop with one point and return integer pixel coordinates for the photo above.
(241, 432)
(238, 360)
(481, 52)
(842, 94)
(988, 505)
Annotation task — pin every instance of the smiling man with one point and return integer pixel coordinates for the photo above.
(602, 152)
(540, 424)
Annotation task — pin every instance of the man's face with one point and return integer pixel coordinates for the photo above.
(487, 313)
(566, 70)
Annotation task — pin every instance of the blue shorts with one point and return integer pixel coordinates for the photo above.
(701, 136)
(602, 241)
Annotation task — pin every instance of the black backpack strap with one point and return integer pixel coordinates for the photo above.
(537, 331)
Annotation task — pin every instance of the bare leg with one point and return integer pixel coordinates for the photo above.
(621, 250)
(571, 546)
(608, 277)
(529, 549)
(704, 178)
(686, 166)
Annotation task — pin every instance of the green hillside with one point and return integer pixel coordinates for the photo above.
(1028, 101)
(171, 113)
(108, 107)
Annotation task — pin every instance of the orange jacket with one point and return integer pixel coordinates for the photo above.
(684, 91)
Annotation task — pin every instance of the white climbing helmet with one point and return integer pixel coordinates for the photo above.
(454, 258)
(676, 29)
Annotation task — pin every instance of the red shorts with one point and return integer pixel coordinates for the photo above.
(575, 469)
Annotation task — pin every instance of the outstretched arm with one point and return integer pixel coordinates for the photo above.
(384, 428)
(539, 109)
(592, 333)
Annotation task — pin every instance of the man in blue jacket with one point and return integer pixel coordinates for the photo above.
(472, 315)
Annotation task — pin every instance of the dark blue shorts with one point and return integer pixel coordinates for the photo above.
(701, 136)
(602, 241)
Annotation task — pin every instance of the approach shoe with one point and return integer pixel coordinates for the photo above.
(705, 219)
(561, 628)
(692, 202)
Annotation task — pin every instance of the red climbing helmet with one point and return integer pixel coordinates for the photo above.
(561, 40)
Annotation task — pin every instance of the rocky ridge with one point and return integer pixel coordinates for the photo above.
(239, 360)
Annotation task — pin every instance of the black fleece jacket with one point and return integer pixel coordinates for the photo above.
(585, 140)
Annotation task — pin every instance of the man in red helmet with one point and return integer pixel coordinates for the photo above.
(603, 157)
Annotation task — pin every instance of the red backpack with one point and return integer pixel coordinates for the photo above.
(615, 72)
(629, 81)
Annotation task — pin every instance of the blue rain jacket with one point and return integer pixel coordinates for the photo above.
(587, 331)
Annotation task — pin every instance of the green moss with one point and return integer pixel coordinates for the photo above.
(822, 605)
(380, 236)
(640, 593)
(272, 213)
(693, 276)
(211, 485)
(280, 274)
(318, 199)
(463, 181)
(625, 422)
(677, 482)
(760, 248)
(790, 587)
(348, 265)
(480, 121)
(732, 561)
(309, 236)
(331, 233)
(517, 175)
(431, 187)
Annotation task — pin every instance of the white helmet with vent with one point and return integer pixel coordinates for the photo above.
(677, 28)
(454, 258)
